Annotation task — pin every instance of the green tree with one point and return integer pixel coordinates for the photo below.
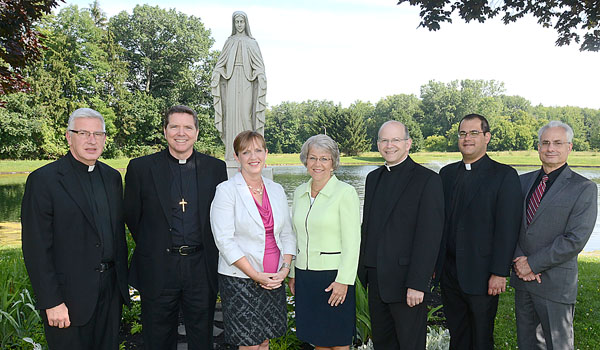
(80, 68)
(403, 108)
(571, 19)
(19, 41)
(445, 104)
(167, 54)
(355, 139)
(282, 129)
(435, 143)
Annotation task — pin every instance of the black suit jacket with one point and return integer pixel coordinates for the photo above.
(61, 245)
(412, 230)
(148, 216)
(487, 228)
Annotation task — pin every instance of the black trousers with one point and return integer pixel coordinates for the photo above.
(102, 330)
(395, 326)
(186, 288)
(470, 318)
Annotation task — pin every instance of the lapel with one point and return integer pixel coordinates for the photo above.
(160, 176)
(482, 174)
(244, 193)
(530, 180)
(71, 184)
(374, 176)
(402, 180)
(559, 184)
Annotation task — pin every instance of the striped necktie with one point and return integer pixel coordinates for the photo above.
(536, 198)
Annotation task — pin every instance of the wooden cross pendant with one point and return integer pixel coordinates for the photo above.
(183, 203)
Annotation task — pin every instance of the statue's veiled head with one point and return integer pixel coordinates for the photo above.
(240, 23)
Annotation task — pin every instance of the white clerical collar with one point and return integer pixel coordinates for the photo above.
(91, 168)
(468, 166)
(389, 167)
(182, 161)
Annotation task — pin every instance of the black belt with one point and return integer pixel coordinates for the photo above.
(184, 249)
(104, 266)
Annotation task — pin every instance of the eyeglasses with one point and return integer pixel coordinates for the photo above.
(86, 134)
(315, 159)
(547, 143)
(472, 133)
(394, 141)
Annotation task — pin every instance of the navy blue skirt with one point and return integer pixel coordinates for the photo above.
(317, 322)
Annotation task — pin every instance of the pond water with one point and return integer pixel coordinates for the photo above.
(13, 186)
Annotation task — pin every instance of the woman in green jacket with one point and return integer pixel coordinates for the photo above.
(326, 219)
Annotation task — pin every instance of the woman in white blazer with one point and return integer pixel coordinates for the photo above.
(252, 228)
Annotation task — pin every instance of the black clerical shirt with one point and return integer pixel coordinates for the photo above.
(381, 200)
(184, 188)
(464, 177)
(94, 190)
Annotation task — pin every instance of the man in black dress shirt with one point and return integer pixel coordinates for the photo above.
(402, 226)
(174, 265)
(74, 241)
(559, 214)
(483, 213)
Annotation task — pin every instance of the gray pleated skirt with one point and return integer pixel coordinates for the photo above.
(251, 314)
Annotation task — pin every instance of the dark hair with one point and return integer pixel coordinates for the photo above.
(180, 109)
(244, 139)
(485, 126)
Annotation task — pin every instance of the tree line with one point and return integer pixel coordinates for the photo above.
(133, 67)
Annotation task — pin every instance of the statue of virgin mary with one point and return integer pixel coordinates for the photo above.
(239, 85)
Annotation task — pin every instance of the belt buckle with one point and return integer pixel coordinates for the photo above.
(181, 251)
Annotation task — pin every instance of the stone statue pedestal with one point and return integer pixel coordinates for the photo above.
(233, 168)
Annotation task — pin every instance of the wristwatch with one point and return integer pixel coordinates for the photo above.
(285, 265)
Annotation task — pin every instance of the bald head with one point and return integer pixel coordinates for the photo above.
(393, 142)
(394, 124)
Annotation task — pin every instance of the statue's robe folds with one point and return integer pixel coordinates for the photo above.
(239, 89)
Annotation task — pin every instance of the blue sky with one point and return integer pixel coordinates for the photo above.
(351, 50)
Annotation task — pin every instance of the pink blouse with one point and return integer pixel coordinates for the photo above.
(272, 253)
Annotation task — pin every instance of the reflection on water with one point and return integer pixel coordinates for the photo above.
(10, 201)
(13, 186)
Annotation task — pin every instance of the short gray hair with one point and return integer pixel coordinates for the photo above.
(85, 113)
(323, 142)
(556, 124)
(406, 133)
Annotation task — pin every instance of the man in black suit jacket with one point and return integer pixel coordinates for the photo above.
(402, 226)
(483, 212)
(74, 241)
(174, 265)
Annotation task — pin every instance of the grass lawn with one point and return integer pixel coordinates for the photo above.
(587, 309)
(507, 157)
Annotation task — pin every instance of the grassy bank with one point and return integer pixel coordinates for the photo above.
(587, 309)
(508, 157)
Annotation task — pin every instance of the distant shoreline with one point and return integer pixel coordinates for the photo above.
(528, 158)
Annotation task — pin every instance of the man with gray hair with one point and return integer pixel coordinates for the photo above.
(559, 215)
(73, 238)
